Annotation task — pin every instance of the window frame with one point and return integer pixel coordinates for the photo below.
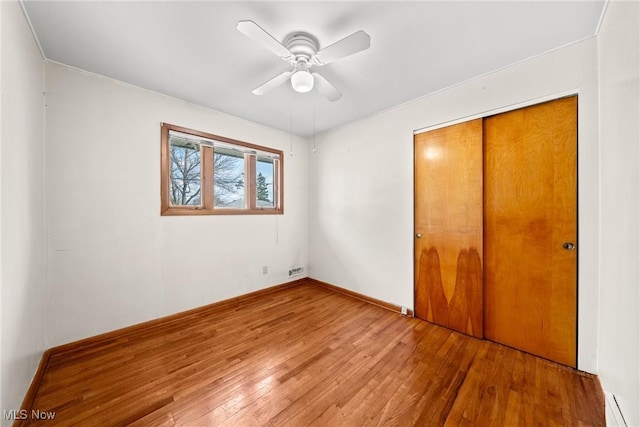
(207, 177)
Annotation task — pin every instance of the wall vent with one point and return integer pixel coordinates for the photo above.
(296, 271)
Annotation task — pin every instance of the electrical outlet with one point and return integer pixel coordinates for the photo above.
(403, 310)
(265, 269)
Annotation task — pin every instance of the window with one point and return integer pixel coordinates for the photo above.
(204, 174)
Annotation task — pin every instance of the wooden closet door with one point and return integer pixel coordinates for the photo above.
(448, 227)
(530, 223)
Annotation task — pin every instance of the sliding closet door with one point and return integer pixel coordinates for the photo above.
(530, 224)
(448, 227)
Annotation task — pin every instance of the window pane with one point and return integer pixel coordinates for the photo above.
(228, 179)
(205, 174)
(264, 183)
(185, 173)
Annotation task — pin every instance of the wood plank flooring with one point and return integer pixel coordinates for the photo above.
(309, 356)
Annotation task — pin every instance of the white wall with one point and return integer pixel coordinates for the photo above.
(361, 181)
(113, 260)
(23, 247)
(619, 80)
(1, 117)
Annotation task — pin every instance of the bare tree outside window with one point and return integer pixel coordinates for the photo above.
(185, 174)
(228, 179)
(206, 174)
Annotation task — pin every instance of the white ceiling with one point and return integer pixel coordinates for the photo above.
(192, 50)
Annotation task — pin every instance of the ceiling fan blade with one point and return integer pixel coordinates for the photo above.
(349, 45)
(325, 88)
(273, 83)
(255, 32)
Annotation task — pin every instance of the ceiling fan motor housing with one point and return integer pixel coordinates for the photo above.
(303, 46)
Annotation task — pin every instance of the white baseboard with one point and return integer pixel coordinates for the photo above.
(613, 414)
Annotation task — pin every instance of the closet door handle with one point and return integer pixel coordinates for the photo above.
(569, 246)
(418, 235)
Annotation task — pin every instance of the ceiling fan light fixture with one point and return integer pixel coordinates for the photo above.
(302, 81)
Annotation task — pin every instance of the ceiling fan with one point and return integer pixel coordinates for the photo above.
(302, 51)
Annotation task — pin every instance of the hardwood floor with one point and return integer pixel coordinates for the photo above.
(309, 356)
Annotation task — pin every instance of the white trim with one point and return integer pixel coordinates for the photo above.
(495, 111)
(604, 11)
(33, 31)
